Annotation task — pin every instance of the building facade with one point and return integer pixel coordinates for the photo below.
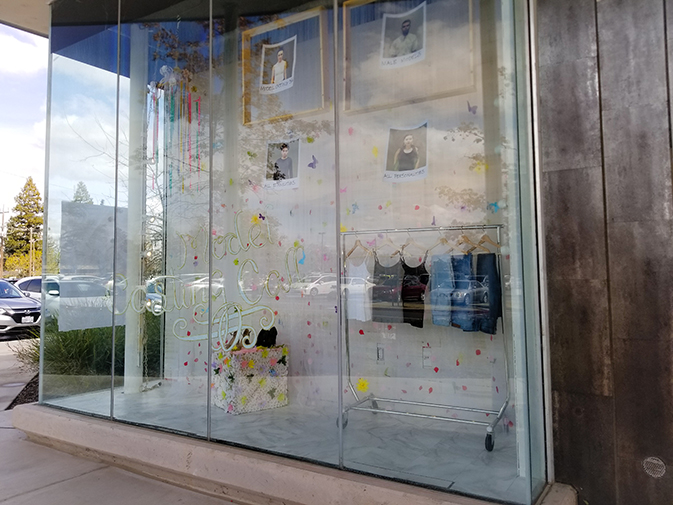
(354, 233)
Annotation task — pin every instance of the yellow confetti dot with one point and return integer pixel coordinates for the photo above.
(255, 219)
(244, 400)
(343, 229)
(236, 261)
(281, 397)
(389, 203)
(375, 152)
(224, 395)
(231, 182)
(363, 385)
(296, 243)
(262, 382)
(310, 140)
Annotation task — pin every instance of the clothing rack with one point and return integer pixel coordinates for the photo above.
(373, 400)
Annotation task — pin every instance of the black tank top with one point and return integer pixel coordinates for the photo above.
(414, 284)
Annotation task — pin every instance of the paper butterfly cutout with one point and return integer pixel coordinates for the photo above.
(262, 217)
(343, 190)
(314, 163)
(303, 257)
(471, 108)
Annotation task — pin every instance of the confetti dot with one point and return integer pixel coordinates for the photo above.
(404, 391)
(408, 365)
(308, 322)
(380, 207)
(275, 312)
(417, 207)
(361, 332)
(196, 360)
(511, 424)
(436, 369)
(390, 327)
(430, 390)
(465, 388)
(496, 389)
(350, 131)
(277, 298)
(309, 335)
(280, 243)
(186, 363)
(478, 352)
(189, 333)
(420, 388)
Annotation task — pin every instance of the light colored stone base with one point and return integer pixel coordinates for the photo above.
(247, 477)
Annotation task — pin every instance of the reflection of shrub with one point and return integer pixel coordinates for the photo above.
(88, 352)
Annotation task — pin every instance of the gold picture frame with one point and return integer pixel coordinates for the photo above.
(251, 72)
(422, 94)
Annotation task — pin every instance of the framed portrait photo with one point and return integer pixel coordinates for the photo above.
(284, 67)
(390, 46)
(407, 154)
(282, 164)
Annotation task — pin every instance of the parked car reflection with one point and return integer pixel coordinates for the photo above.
(18, 312)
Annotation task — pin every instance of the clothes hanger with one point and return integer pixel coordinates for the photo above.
(442, 241)
(355, 246)
(386, 242)
(464, 239)
(485, 239)
(411, 242)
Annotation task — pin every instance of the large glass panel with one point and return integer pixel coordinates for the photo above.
(434, 343)
(162, 217)
(77, 343)
(273, 232)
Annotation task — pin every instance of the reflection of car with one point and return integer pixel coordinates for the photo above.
(388, 289)
(31, 286)
(17, 311)
(323, 285)
(305, 282)
(74, 296)
(355, 285)
(469, 291)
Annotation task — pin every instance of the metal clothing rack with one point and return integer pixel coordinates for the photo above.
(373, 400)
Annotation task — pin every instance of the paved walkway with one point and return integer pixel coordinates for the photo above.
(31, 474)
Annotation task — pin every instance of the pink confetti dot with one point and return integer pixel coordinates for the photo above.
(380, 207)
(309, 335)
(186, 363)
(308, 322)
(478, 352)
(404, 391)
(277, 298)
(420, 387)
(417, 207)
(408, 364)
(430, 390)
(464, 388)
(436, 369)
(189, 333)
(361, 332)
(196, 360)
(457, 363)
(196, 257)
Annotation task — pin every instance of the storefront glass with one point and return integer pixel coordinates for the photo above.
(321, 232)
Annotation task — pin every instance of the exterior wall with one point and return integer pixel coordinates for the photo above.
(606, 176)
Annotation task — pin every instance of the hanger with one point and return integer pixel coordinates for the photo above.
(355, 246)
(485, 239)
(386, 242)
(464, 239)
(442, 241)
(411, 242)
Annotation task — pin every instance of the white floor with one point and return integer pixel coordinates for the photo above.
(441, 454)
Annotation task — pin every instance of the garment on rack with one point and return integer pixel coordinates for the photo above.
(387, 293)
(442, 285)
(463, 297)
(414, 284)
(357, 292)
(487, 271)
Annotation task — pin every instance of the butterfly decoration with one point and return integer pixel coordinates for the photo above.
(494, 207)
(252, 155)
(343, 190)
(433, 221)
(262, 217)
(314, 163)
(355, 207)
(371, 243)
(471, 108)
(303, 257)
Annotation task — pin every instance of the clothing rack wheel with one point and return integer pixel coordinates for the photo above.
(489, 443)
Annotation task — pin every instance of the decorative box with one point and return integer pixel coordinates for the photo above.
(249, 380)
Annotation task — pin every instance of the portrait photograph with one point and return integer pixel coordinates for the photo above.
(278, 61)
(403, 38)
(282, 164)
(407, 154)
(283, 66)
(389, 47)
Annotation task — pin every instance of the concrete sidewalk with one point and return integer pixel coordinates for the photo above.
(31, 474)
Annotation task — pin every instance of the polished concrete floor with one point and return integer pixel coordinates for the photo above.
(440, 454)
